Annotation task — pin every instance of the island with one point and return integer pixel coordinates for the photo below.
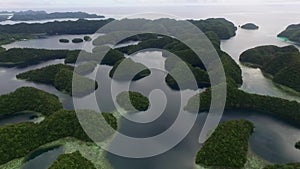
(110, 58)
(74, 160)
(291, 33)
(133, 101)
(61, 77)
(297, 145)
(239, 100)
(281, 64)
(80, 26)
(28, 99)
(56, 126)
(129, 70)
(250, 26)
(87, 38)
(77, 40)
(43, 15)
(64, 40)
(227, 147)
(18, 57)
(222, 27)
(189, 57)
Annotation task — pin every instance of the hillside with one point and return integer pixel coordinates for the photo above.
(281, 64)
(292, 33)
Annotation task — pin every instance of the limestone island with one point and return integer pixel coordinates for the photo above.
(291, 33)
(250, 26)
(281, 64)
(64, 41)
(77, 40)
(133, 101)
(127, 70)
(297, 145)
(61, 77)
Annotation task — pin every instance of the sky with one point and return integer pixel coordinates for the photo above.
(11, 4)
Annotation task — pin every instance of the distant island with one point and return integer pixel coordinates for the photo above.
(282, 65)
(250, 26)
(291, 33)
(43, 15)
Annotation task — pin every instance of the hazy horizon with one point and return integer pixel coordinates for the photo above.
(47, 4)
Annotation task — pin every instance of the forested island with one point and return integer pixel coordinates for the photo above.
(222, 27)
(43, 15)
(80, 26)
(239, 100)
(227, 147)
(129, 70)
(196, 66)
(17, 57)
(13, 145)
(61, 77)
(291, 33)
(133, 101)
(250, 26)
(74, 160)
(29, 99)
(282, 65)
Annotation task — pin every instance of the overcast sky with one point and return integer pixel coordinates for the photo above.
(7, 4)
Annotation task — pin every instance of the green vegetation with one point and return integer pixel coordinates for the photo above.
(77, 40)
(19, 140)
(40, 151)
(110, 59)
(282, 64)
(6, 38)
(186, 81)
(80, 26)
(86, 68)
(129, 70)
(292, 33)
(61, 76)
(133, 101)
(42, 15)
(74, 161)
(284, 166)
(25, 57)
(232, 70)
(139, 37)
(297, 145)
(250, 26)
(238, 99)
(228, 145)
(222, 27)
(64, 40)
(2, 49)
(29, 99)
(87, 38)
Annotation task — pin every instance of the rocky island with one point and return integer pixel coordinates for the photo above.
(250, 26)
(291, 33)
(133, 101)
(282, 65)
